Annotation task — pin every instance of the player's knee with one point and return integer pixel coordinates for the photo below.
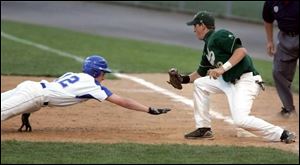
(198, 83)
(239, 121)
(277, 74)
(195, 83)
(199, 88)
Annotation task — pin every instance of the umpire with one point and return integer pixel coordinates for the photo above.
(286, 54)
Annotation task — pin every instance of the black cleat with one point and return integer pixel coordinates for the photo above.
(200, 133)
(286, 113)
(288, 137)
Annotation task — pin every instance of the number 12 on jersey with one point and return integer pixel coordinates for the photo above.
(71, 80)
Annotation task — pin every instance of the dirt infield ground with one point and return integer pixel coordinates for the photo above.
(104, 122)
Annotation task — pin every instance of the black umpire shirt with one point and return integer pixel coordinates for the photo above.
(286, 13)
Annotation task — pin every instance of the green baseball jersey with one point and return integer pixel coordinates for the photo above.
(219, 47)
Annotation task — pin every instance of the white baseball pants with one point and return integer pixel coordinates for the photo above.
(240, 98)
(27, 97)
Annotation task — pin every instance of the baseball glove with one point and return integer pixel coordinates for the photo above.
(158, 111)
(175, 78)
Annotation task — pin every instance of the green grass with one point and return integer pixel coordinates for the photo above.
(265, 70)
(123, 55)
(21, 59)
(42, 152)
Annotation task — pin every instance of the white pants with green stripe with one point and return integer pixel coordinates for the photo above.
(240, 99)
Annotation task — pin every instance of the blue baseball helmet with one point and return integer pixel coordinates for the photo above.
(94, 65)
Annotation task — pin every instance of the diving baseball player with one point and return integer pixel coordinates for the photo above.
(225, 68)
(70, 88)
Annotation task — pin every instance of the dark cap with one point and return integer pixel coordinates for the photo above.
(202, 17)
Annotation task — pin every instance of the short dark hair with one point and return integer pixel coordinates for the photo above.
(211, 27)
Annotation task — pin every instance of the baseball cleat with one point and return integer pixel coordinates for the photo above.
(200, 133)
(288, 137)
(287, 113)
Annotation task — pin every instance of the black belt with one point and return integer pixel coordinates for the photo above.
(291, 34)
(260, 83)
(238, 78)
(44, 86)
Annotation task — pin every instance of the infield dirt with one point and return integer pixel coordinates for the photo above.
(104, 122)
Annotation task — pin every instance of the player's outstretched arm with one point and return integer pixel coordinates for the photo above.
(134, 105)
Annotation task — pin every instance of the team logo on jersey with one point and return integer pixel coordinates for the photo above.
(275, 8)
(210, 57)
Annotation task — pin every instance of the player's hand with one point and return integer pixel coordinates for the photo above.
(215, 73)
(270, 48)
(158, 111)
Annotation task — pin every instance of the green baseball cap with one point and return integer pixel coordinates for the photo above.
(202, 17)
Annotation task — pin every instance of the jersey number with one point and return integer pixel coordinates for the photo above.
(64, 83)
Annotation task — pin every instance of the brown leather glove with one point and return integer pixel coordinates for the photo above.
(175, 78)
